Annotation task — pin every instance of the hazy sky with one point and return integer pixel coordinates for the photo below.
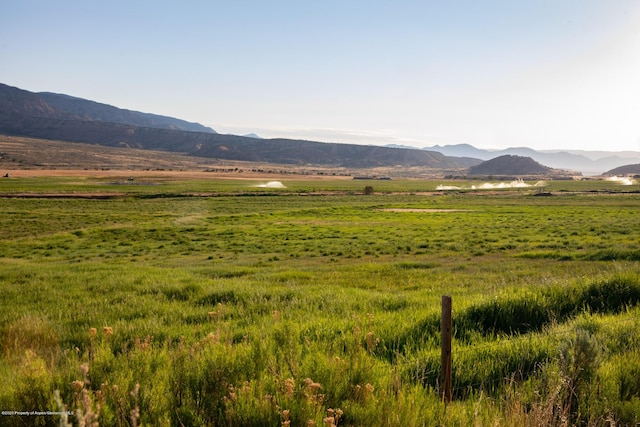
(546, 74)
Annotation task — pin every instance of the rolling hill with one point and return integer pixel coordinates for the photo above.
(625, 170)
(510, 165)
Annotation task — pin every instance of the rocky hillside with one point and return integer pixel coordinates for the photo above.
(226, 147)
(510, 165)
(47, 105)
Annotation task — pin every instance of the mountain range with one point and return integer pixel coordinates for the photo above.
(66, 118)
(586, 162)
(61, 117)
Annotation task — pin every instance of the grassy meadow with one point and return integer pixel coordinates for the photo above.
(220, 303)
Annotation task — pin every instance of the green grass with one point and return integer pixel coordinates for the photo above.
(234, 308)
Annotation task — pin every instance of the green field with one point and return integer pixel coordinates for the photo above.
(218, 303)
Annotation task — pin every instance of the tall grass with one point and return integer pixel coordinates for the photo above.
(318, 310)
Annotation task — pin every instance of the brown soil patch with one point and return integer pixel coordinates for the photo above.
(171, 175)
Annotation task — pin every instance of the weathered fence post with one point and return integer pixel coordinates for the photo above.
(445, 361)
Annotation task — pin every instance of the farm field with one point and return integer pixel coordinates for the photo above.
(168, 299)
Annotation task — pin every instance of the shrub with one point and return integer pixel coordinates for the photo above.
(579, 358)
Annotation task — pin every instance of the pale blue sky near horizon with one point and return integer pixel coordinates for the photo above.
(547, 74)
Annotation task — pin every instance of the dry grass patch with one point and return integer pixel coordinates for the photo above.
(33, 335)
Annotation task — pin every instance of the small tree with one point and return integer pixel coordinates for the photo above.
(368, 190)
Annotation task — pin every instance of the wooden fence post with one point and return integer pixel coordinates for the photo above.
(446, 327)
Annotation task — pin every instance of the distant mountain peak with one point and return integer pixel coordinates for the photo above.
(253, 135)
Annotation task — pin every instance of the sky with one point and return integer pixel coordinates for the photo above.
(547, 74)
